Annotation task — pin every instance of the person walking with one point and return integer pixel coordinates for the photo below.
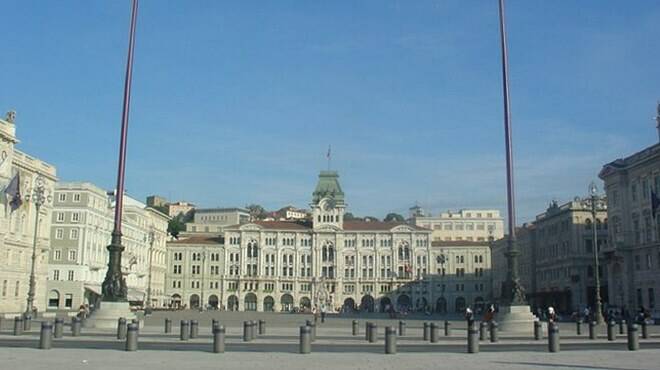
(490, 314)
(315, 312)
(323, 312)
(552, 316)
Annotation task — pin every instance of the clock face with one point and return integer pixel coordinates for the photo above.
(329, 205)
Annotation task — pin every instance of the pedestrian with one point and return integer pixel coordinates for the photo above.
(315, 313)
(469, 315)
(552, 316)
(586, 314)
(323, 311)
(490, 314)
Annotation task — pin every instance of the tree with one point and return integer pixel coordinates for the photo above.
(394, 217)
(176, 226)
(256, 211)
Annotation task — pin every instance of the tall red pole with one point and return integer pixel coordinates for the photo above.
(114, 286)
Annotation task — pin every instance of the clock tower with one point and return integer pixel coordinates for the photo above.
(328, 205)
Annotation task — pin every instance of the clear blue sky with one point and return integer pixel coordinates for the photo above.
(236, 102)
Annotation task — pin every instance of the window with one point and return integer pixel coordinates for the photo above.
(73, 235)
(68, 300)
(72, 255)
(60, 216)
(56, 275)
(18, 288)
(59, 233)
(70, 275)
(61, 197)
(76, 197)
(75, 217)
(57, 255)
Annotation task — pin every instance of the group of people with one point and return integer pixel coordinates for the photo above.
(489, 315)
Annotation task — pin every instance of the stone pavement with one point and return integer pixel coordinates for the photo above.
(335, 348)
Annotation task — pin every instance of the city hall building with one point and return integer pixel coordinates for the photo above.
(326, 260)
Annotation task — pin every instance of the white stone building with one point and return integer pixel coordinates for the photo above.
(346, 265)
(633, 253)
(17, 227)
(213, 220)
(467, 224)
(82, 224)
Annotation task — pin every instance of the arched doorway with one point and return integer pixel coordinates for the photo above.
(287, 302)
(421, 304)
(349, 305)
(305, 303)
(194, 301)
(232, 303)
(213, 301)
(403, 302)
(441, 305)
(250, 302)
(53, 299)
(385, 303)
(479, 305)
(269, 304)
(367, 304)
(176, 301)
(460, 304)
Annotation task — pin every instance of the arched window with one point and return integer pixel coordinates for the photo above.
(587, 224)
(331, 254)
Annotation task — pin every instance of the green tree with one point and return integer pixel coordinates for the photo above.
(394, 217)
(175, 226)
(256, 211)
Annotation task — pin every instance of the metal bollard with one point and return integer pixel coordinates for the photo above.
(553, 337)
(218, 339)
(46, 335)
(214, 324)
(194, 329)
(262, 327)
(137, 323)
(592, 330)
(367, 331)
(75, 327)
(622, 324)
(121, 328)
(132, 337)
(611, 335)
(373, 336)
(27, 323)
(447, 329)
(645, 330)
(402, 328)
(578, 327)
(483, 327)
(355, 328)
(473, 340)
(18, 325)
(493, 332)
(246, 331)
(427, 331)
(435, 333)
(390, 340)
(168, 325)
(184, 333)
(59, 328)
(538, 330)
(633, 338)
(305, 339)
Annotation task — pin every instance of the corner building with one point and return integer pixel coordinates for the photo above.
(283, 265)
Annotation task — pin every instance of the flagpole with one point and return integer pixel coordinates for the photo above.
(114, 285)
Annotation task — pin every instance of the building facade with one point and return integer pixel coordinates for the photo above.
(556, 264)
(214, 220)
(17, 223)
(82, 223)
(344, 265)
(466, 224)
(633, 254)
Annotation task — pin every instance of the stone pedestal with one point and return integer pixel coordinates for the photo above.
(107, 313)
(516, 320)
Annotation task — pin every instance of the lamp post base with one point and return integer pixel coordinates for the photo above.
(107, 313)
(516, 319)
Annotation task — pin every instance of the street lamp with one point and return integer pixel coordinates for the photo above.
(151, 237)
(594, 202)
(38, 195)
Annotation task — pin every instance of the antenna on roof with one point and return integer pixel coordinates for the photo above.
(328, 156)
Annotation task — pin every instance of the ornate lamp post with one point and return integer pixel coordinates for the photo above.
(39, 196)
(151, 237)
(594, 202)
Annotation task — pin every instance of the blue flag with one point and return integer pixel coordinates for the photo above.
(13, 192)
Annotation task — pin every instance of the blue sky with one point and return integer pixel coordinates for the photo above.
(237, 102)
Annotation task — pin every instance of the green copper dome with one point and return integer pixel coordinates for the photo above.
(328, 186)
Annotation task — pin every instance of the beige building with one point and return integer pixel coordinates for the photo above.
(179, 208)
(344, 265)
(82, 223)
(557, 257)
(466, 224)
(17, 226)
(214, 220)
(633, 254)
